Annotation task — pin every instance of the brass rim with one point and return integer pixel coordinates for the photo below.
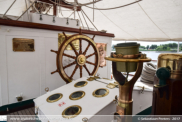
(95, 95)
(81, 85)
(81, 60)
(83, 94)
(72, 116)
(111, 85)
(51, 101)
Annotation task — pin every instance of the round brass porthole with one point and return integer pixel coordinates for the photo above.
(81, 84)
(102, 92)
(72, 111)
(77, 95)
(54, 97)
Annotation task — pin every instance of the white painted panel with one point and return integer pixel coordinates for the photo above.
(3, 71)
(52, 81)
(23, 71)
(0, 93)
(141, 100)
(42, 55)
(29, 72)
(48, 19)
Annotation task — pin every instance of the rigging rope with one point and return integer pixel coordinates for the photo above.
(85, 20)
(113, 7)
(114, 23)
(148, 73)
(80, 18)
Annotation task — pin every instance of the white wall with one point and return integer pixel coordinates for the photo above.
(29, 72)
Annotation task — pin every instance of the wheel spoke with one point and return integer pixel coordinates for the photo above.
(81, 71)
(69, 56)
(76, 67)
(72, 46)
(90, 63)
(86, 69)
(80, 40)
(87, 48)
(69, 65)
(90, 55)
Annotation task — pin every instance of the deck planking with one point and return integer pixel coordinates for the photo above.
(26, 113)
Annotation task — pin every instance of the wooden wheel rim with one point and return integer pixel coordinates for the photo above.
(63, 47)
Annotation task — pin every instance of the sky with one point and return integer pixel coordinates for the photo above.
(145, 43)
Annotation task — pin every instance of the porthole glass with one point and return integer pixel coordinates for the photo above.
(81, 84)
(54, 97)
(72, 111)
(102, 92)
(77, 95)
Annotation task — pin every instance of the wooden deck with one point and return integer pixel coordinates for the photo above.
(20, 116)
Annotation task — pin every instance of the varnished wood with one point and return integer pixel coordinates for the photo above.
(73, 47)
(27, 112)
(91, 55)
(80, 41)
(90, 63)
(54, 9)
(76, 67)
(93, 37)
(17, 116)
(15, 23)
(69, 56)
(12, 116)
(162, 105)
(31, 112)
(62, 72)
(65, 35)
(80, 71)
(54, 51)
(84, 53)
(69, 65)
(33, 109)
(86, 69)
(54, 71)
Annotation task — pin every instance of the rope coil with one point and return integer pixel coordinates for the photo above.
(148, 73)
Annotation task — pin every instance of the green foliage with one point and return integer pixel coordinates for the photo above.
(143, 47)
(153, 46)
(147, 47)
(162, 47)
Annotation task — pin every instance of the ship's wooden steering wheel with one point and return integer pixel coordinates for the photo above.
(80, 58)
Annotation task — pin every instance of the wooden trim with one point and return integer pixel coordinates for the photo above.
(54, 10)
(50, 27)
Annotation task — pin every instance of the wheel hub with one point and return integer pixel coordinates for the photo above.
(81, 59)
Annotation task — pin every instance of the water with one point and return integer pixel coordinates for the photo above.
(154, 54)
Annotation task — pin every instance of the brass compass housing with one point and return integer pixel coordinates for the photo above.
(102, 92)
(72, 111)
(54, 97)
(81, 84)
(77, 95)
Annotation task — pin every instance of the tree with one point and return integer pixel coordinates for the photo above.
(153, 46)
(142, 47)
(147, 47)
